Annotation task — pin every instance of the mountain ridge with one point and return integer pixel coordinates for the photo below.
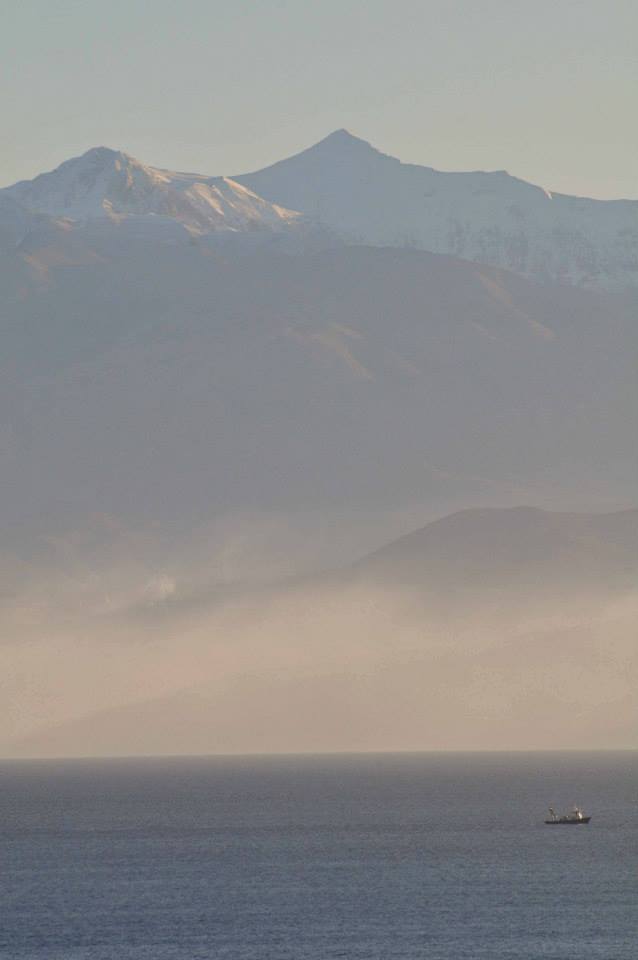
(361, 195)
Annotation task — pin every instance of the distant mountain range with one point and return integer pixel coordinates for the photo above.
(193, 367)
(344, 186)
(176, 348)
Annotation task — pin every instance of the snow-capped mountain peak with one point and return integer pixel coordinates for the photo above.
(489, 217)
(105, 155)
(106, 183)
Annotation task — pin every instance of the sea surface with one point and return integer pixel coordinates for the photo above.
(437, 856)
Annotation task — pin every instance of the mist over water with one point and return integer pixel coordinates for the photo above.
(241, 656)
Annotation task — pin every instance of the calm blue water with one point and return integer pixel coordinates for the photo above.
(442, 857)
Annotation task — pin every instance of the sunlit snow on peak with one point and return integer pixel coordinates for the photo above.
(106, 183)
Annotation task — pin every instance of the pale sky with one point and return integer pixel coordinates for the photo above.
(545, 89)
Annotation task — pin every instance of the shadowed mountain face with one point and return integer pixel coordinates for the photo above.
(486, 629)
(150, 380)
(15, 223)
(491, 218)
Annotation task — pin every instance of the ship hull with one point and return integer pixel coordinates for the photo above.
(567, 823)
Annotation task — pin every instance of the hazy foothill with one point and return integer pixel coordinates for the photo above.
(221, 396)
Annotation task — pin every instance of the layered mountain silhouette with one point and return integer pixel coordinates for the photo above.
(338, 336)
